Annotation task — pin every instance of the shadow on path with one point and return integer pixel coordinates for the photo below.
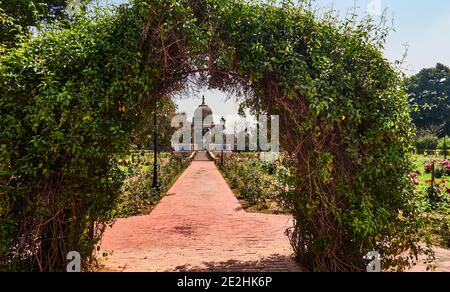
(274, 263)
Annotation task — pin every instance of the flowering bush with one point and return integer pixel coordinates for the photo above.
(413, 176)
(428, 166)
(261, 185)
(446, 166)
(438, 192)
(440, 169)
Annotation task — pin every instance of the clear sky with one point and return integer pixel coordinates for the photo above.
(423, 25)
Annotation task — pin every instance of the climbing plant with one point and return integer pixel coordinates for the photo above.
(344, 122)
(19, 17)
(73, 99)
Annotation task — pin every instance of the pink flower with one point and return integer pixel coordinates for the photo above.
(428, 166)
(413, 177)
(445, 164)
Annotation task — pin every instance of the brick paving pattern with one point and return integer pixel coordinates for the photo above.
(199, 226)
(442, 263)
(202, 156)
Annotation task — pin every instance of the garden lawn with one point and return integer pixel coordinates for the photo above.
(436, 212)
(422, 178)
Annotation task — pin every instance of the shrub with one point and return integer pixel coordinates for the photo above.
(426, 141)
(259, 183)
(414, 178)
(137, 195)
(268, 167)
(446, 167)
(428, 166)
(441, 168)
(438, 197)
(439, 171)
(445, 233)
(72, 101)
(444, 143)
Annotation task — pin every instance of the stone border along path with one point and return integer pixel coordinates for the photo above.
(200, 226)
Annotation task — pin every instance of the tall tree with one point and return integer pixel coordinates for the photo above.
(16, 16)
(166, 110)
(429, 93)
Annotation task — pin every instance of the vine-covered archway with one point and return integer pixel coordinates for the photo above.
(73, 99)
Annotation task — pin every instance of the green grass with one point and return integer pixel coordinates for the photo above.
(437, 215)
(419, 162)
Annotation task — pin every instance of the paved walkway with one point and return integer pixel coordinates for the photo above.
(199, 226)
(202, 156)
(442, 263)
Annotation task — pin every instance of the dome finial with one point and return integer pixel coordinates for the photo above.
(203, 102)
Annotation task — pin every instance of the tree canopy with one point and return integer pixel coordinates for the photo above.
(18, 15)
(429, 93)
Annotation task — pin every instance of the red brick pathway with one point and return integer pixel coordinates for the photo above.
(199, 226)
(442, 263)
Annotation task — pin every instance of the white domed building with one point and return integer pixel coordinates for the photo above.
(202, 126)
(202, 131)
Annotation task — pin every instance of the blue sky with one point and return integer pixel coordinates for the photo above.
(423, 25)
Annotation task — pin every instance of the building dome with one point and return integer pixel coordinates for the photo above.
(203, 111)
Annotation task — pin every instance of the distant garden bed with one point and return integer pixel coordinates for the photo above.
(137, 196)
(263, 187)
(260, 186)
(433, 196)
